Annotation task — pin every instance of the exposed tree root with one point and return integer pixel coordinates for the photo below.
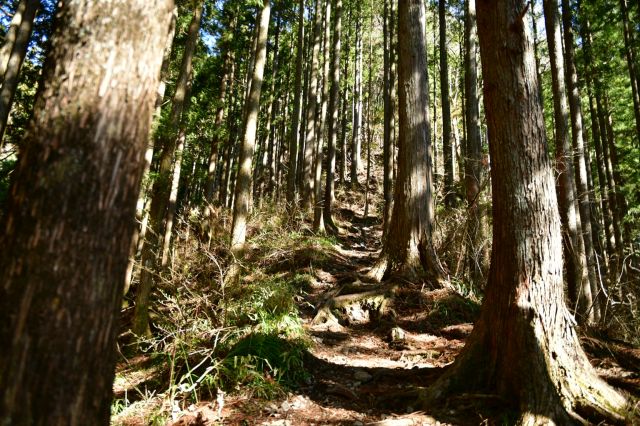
(356, 303)
(562, 389)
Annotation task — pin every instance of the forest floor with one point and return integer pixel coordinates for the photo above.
(365, 370)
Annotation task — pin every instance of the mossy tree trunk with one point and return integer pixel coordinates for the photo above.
(67, 230)
(524, 347)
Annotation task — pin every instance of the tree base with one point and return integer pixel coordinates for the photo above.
(556, 385)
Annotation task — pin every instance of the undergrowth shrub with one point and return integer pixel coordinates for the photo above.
(246, 336)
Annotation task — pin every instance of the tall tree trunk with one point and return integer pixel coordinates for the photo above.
(582, 187)
(408, 249)
(226, 86)
(10, 36)
(294, 134)
(356, 130)
(334, 100)
(524, 346)
(370, 100)
(447, 149)
(614, 178)
(473, 160)
(142, 206)
(305, 95)
(536, 54)
(631, 65)
(16, 57)
(312, 97)
(67, 229)
(342, 163)
(573, 244)
(607, 142)
(262, 170)
(175, 185)
(318, 221)
(161, 188)
(243, 181)
(387, 146)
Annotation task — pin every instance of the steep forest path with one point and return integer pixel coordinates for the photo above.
(365, 359)
(361, 365)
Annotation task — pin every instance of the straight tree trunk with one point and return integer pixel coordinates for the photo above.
(342, 164)
(332, 130)
(14, 63)
(265, 152)
(408, 250)
(582, 186)
(318, 221)
(370, 100)
(473, 160)
(607, 142)
(631, 65)
(524, 346)
(312, 96)
(573, 244)
(297, 110)
(10, 36)
(142, 206)
(67, 229)
(226, 85)
(303, 124)
(356, 130)
(161, 189)
(614, 178)
(387, 147)
(447, 149)
(243, 181)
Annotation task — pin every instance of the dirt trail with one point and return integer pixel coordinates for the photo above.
(360, 370)
(366, 370)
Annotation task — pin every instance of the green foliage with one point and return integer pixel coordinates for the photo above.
(265, 362)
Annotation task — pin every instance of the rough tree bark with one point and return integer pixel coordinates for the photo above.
(408, 249)
(524, 347)
(243, 181)
(67, 230)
